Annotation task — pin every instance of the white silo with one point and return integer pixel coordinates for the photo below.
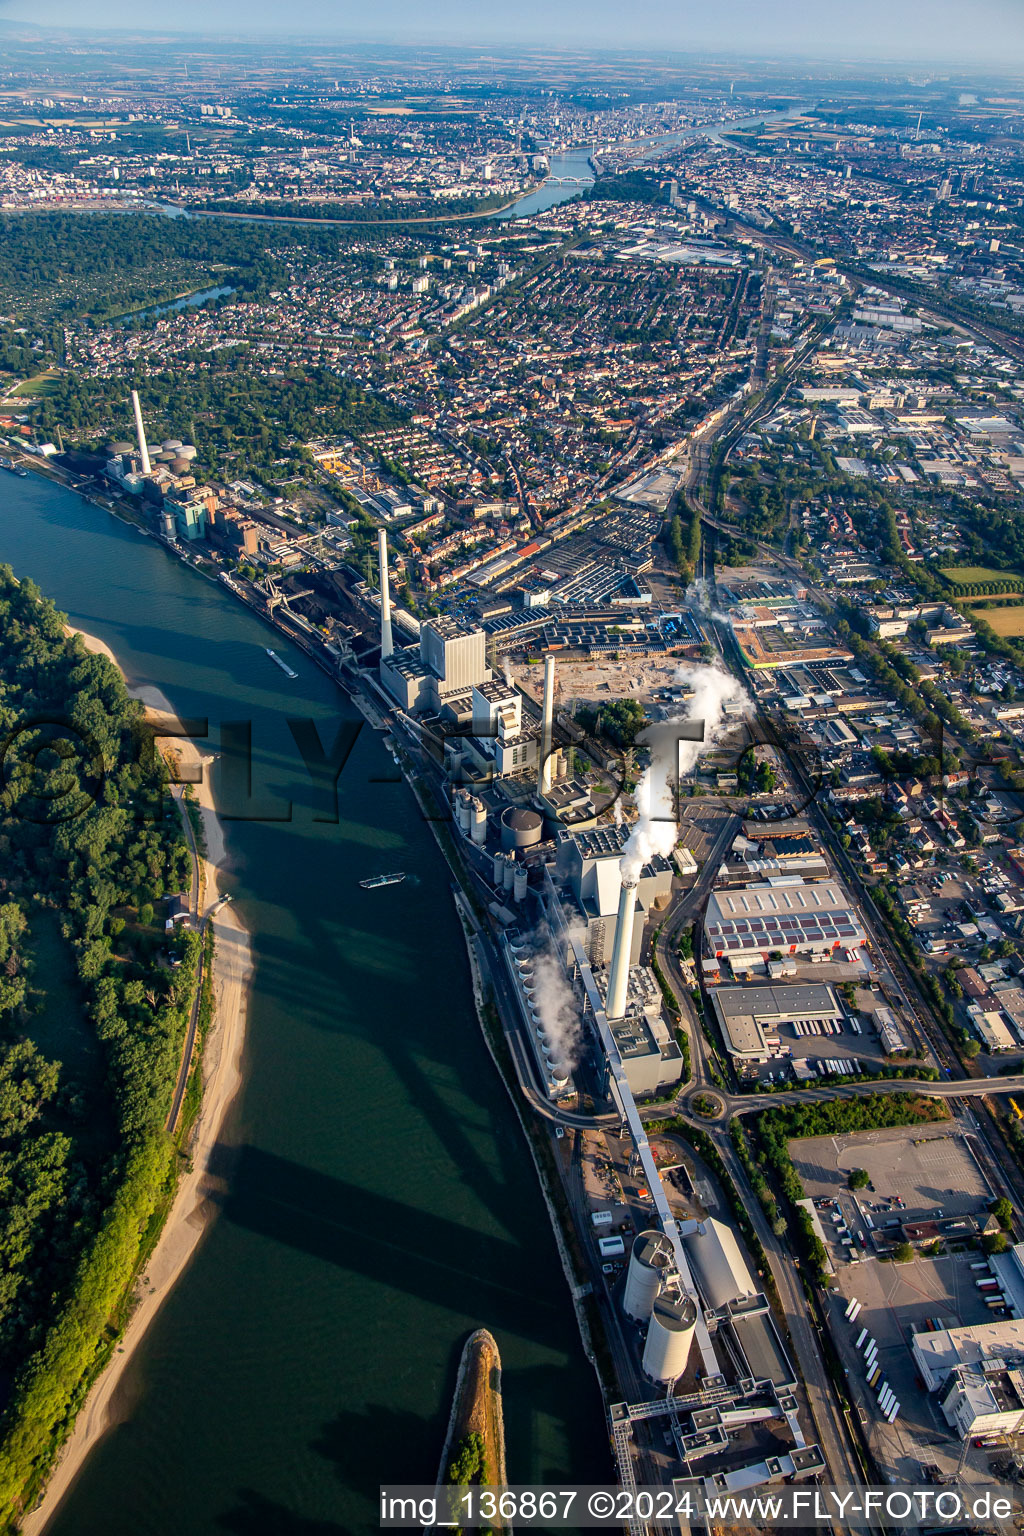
(462, 800)
(521, 881)
(497, 871)
(649, 1263)
(673, 1324)
(478, 821)
(508, 874)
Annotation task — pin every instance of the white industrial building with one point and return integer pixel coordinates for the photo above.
(784, 915)
(750, 1017)
(718, 1265)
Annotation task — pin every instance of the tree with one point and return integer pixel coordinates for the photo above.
(995, 1242)
(971, 1048)
(903, 1253)
(859, 1178)
(1002, 1210)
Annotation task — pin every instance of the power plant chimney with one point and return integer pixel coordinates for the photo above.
(547, 718)
(618, 980)
(141, 434)
(386, 643)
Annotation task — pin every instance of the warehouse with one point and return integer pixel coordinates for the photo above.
(749, 1017)
(785, 915)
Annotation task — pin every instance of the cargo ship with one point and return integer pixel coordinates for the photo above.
(378, 880)
(285, 668)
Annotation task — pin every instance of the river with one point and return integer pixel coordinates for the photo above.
(575, 163)
(380, 1200)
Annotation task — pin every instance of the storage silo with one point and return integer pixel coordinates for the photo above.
(497, 871)
(508, 874)
(478, 822)
(521, 882)
(649, 1263)
(673, 1324)
(462, 800)
(520, 828)
(187, 451)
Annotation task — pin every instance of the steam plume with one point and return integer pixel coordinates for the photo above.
(655, 830)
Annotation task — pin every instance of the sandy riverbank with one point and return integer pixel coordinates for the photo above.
(193, 1209)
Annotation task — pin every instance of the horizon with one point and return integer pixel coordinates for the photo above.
(874, 33)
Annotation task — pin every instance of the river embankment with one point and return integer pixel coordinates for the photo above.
(196, 1199)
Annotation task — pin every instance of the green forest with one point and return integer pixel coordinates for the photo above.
(240, 419)
(94, 1001)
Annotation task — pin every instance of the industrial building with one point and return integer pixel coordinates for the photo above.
(978, 1373)
(750, 1017)
(784, 915)
(589, 864)
(440, 673)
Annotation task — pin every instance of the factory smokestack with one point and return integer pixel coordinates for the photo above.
(141, 434)
(547, 718)
(618, 980)
(386, 642)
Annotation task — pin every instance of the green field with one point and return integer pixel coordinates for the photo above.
(1008, 622)
(970, 575)
(41, 384)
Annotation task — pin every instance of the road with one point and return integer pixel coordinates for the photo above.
(829, 1420)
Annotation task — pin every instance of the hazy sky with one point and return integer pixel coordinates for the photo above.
(955, 30)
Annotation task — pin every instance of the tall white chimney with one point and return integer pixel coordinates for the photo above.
(547, 718)
(386, 642)
(618, 980)
(141, 434)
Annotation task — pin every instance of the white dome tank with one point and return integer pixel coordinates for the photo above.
(649, 1263)
(673, 1324)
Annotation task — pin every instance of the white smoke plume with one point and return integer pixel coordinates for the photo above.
(554, 1001)
(655, 830)
(506, 670)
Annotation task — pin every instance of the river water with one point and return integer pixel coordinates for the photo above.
(575, 163)
(381, 1201)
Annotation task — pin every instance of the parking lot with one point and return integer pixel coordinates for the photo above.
(930, 1168)
(896, 1299)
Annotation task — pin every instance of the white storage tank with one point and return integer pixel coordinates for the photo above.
(462, 799)
(673, 1324)
(497, 872)
(521, 881)
(478, 822)
(508, 875)
(649, 1263)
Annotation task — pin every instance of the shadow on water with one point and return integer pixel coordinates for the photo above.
(467, 1272)
(366, 1447)
(256, 1515)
